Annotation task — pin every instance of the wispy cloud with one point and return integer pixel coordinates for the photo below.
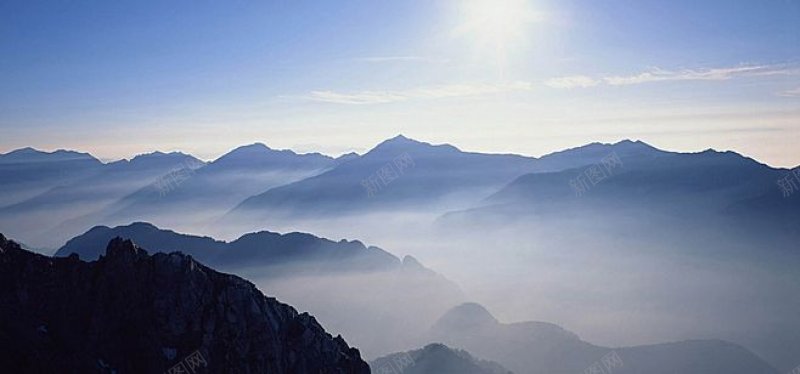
(795, 92)
(573, 81)
(662, 75)
(715, 74)
(419, 93)
(381, 59)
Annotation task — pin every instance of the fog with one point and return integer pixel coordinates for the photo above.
(613, 278)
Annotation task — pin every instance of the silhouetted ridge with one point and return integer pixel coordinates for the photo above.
(130, 312)
(281, 253)
(466, 315)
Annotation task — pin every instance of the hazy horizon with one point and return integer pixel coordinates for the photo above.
(543, 186)
(362, 151)
(520, 76)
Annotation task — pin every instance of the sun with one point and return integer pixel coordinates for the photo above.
(496, 25)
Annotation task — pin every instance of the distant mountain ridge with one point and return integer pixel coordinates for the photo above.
(87, 192)
(396, 173)
(29, 154)
(208, 192)
(27, 172)
(142, 187)
(716, 188)
(293, 253)
(139, 313)
(255, 183)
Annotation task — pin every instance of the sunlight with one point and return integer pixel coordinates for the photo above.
(496, 25)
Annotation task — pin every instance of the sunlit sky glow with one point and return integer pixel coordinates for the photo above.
(522, 76)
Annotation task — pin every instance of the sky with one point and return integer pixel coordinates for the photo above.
(119, 78)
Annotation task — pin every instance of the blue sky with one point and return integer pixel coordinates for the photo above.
(530, 77)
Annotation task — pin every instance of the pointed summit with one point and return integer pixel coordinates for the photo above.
(464, 316)
(400, 144)
(245, 151)
(123, 248)
(259, 154)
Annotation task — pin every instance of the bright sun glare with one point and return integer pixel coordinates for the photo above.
(496, 24)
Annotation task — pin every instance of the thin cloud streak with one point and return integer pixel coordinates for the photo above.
(573, 81)
(662, 75)
(381, 59)
(715, 74)
(419, 93)
(795, 92)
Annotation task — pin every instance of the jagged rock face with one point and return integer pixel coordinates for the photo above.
(130, 312)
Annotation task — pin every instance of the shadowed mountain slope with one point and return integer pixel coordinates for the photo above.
(399, 172)
(133, 312)
(293, 253)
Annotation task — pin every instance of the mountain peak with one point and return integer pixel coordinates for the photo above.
(254, 146)
(400, 140)
(466, 315)
(26, 150)
(29, 154)
(259, 153)
(123, 248)
(400, 137)
(400, 144)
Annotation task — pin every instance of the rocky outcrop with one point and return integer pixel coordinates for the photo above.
(131, 312)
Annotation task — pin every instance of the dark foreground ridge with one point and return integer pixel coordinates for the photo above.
(130, 312)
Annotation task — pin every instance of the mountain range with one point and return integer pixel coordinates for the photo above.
(27, 172)
(96, 188)
(399, 173)
(51, 197)
(719, 219)
(273, 253)
(344, 282)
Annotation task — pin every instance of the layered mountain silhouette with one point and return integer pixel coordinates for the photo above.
(435, 359)
(157, 185)
(686, 198)
(345, 283)
(400, 172)
(55, 208)
(715, 213)
(273, 253)
(134, 312)
(226, 181)
(538, 347)
(27, 172)
(652, 208)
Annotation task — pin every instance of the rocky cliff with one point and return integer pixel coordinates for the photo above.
(131, 312)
